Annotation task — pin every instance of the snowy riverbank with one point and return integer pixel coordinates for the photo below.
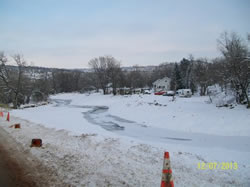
(121, 143)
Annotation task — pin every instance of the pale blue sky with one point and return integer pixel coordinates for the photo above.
(68, 33)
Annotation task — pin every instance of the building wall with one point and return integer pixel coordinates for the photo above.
(162, 84)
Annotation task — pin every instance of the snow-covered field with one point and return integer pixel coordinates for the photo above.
(97, 140)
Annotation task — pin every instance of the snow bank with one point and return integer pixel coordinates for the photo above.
(84, 153)
(96, 160)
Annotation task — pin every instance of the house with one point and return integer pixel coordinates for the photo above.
(184, 92)
(162, 84)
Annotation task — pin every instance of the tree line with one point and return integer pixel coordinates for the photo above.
(231, 70)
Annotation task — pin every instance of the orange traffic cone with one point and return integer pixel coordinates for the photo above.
(1, 114)
(8, 117)
(167, 180)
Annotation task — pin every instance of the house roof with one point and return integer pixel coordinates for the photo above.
(160, 80)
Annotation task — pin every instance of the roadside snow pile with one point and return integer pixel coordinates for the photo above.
(96, 160)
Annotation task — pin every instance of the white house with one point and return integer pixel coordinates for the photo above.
(162, 84)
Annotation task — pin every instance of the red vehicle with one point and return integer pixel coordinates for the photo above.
(160, 93)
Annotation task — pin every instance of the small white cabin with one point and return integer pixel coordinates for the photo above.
(184, 92)
(162, 84)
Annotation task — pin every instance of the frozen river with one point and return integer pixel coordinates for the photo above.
(99, 115)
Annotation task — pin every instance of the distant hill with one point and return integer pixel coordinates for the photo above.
(37, 72)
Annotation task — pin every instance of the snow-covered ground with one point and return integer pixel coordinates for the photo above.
(98, 140)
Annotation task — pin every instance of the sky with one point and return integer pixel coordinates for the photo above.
(69, 33)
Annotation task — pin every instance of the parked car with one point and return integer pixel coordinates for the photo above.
(184, 92)
(146, 92)
(169, 93)
(160, 93)
(136, 91)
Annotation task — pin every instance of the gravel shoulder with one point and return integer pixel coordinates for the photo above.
(19, 168)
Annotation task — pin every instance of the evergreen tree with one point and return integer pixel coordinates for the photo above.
(176, 79)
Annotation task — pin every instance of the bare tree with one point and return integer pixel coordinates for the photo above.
(202, 75)
(13, 80)
(135, 78)
(4, 82)
(236, 54)
(100, 68)
(21, 63)
(113, 72)
(42, 87)
(66, 81)
(220, 75)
